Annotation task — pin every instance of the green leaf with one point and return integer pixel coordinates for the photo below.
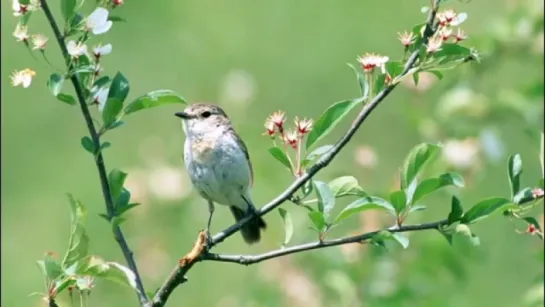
(329, 119)
(119, 89)
(79, 241)
(54, 83)
(116, 18)
(288, 225)
(69, 99)
(50, 268)
(68, 9)
(154, 99)
(415, 78)
(111, 110)
(105, 145)
(362, 204)
(433, 184)
(384, 235)
(437, 73)
(446, 234)
(456, 211)
(123, 199)
(315, 154)
(87, 144)
(483, 209)
(326, 200)
(402, 239)
(345, 186)
(125, 208)
(364, 86)
(116, 179)
(112, 271)
(452, 50)
(523, 196)
(101, 82)
(61, 285)
(514, 171)
(280, 156)
(414, 162)
(318, 220)
(399, 201)
(394, 68)
(417, 208)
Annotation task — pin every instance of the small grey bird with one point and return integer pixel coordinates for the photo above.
(218, 165)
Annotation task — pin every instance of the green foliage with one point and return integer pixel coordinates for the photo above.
(362, 204)
(433, 184)
(280, 156)
(514, 171)
(153, 99)
(79, 241)
(54, 83)
(415, 161)
(288, 225)
(456, 211)
(346, 186)
(329, 119)
(68, 9)
(483, 209)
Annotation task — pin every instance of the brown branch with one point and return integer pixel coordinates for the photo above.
(251, 259)
(179, 272)
(99, 160)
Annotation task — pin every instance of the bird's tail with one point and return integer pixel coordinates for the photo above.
(251, 231)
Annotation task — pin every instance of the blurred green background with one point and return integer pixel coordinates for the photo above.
(253, 58)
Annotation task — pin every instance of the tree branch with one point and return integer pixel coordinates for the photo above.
(251, 259)
(178, 274)
(99, 161)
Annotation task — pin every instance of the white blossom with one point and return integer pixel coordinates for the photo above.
(97, 22)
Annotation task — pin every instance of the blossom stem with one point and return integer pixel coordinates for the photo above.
(99, 160)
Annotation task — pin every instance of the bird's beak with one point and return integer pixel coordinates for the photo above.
(182, 115)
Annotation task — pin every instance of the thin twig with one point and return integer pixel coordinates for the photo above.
(179, 272)
(251, 259)
(99, 161)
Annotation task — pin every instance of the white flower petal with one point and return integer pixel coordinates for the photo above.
(459, 19)
(102, 28)
(98, 17)
(26, 81)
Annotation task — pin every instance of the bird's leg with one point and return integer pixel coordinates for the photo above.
(211, 213)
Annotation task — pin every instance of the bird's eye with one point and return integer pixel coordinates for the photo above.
(206, 114)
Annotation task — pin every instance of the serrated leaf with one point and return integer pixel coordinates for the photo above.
(346, 186)
(433, 184)
(54, 83)
(119, 89)
(68, 9)
(456, 211)
(69, 99)
(398, 200)
(362, 204)
(483, 209)
(87, 144)
(79, 241)
(514, 169)
(329, 119)
(154, 99)
(116, 179)
(111, 110)
(326, 200)
(288, 225)
(280, 156)
(318, 220)
(414, 162)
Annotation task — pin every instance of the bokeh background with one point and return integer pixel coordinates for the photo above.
(253, 58)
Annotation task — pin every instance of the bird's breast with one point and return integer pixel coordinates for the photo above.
(202, 150)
